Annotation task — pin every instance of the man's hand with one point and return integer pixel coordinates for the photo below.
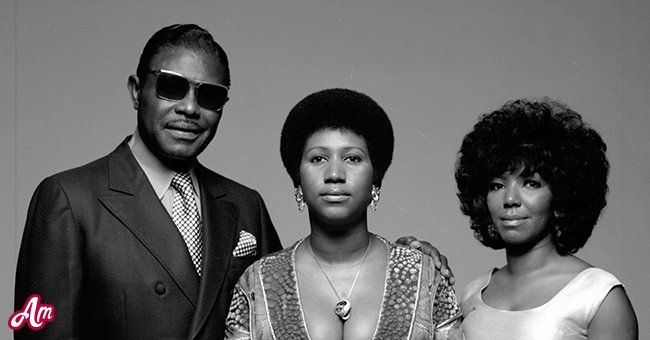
(439, 260)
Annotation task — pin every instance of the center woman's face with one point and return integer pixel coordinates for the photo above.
(336, 176)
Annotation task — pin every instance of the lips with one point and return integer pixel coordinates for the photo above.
(513, 220)
(335, 196)
(185, 126)
(184, 129)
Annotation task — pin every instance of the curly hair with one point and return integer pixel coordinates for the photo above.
(189, 36)
(539, 136)
(337, 109)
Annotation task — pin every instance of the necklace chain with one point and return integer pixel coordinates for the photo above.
(343, 306)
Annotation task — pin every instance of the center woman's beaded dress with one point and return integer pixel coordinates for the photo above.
(418, 302)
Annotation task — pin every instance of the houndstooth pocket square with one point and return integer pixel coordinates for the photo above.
(246, 246)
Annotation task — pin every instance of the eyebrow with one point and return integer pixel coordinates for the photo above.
(344, 149)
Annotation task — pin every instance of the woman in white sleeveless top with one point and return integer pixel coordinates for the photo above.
(532, 177)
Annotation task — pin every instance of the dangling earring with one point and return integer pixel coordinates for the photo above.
(558, 230)
(374, 198)
(300, 198)
(492, 231)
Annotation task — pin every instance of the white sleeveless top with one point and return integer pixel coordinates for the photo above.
(565, 316)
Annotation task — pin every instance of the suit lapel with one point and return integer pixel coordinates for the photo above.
(136, 205)
(220, 235)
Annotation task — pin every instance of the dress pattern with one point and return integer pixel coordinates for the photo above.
(418, 302)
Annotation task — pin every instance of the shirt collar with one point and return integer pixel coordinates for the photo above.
(157, 173)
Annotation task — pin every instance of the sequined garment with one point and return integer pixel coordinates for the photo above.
(418, 302)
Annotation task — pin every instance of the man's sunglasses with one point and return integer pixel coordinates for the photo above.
(174, 86)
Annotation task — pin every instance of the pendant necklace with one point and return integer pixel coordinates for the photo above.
(343, 306)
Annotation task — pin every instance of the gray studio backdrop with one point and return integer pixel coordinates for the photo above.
(433, 65)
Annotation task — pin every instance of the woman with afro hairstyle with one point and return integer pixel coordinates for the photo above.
(532, 177)
(341, 281)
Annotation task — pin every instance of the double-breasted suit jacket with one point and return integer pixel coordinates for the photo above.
(100, 247)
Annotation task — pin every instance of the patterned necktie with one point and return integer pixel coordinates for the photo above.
(186, 216)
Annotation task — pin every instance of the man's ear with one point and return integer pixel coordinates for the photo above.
(134, 90)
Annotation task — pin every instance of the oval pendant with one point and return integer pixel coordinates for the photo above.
(342, 309)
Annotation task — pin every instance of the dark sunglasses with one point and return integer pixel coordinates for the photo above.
(174, 86)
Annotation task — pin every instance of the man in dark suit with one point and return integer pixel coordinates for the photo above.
(101, 244)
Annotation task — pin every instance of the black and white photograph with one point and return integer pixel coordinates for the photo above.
(290, 169)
